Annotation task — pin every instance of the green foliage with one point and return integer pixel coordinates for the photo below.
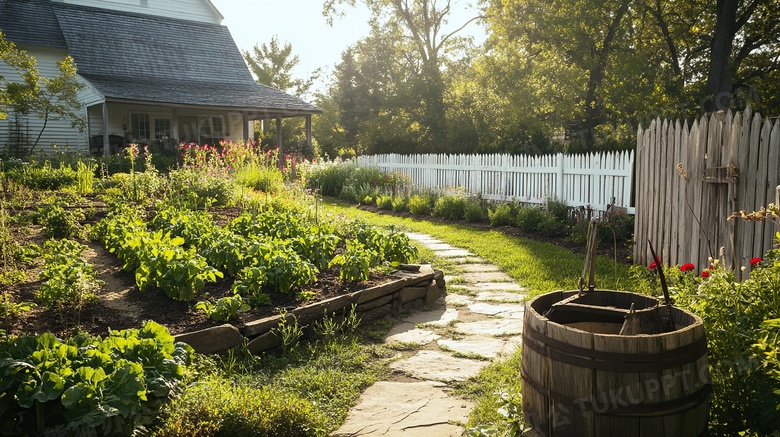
(223, 309)
(502, 214)
(156, 258)
(44, 176)
(741, 335)
(58, 222)
(201, 189)
(69, 280)
(449, 207)
(419, 204)
(197, 228)
(529, 218)
(385, 202)
(85, 381)
(329, 178)
(267, 179)
(400, 203)
(355, 262)
(473, 212)
(10, 309)
(219, 407)
(550, 225)
(559, 210)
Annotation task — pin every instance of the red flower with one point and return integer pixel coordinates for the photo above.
(755, 261)
(705, 274)
(687, 267)
(652, 265)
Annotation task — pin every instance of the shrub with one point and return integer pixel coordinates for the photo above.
(551, 226)
(400, 203)
(384, 202)
(528, 218)
(419, 205)
(223, 309)
(267, 179)
(559, 210)
(449, 207)
(329, 178)
(472, 212)
(502, 214)
(741, 340)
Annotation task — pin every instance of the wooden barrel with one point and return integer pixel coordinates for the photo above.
(580, 383)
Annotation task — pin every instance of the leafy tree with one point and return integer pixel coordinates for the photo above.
(272, 64)
(421, 24)
(49, 99)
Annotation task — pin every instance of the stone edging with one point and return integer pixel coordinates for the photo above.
(411, 290)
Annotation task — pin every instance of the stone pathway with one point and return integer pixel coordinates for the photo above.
(478, 321)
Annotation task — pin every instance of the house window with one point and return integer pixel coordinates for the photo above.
(162, 128)
(139, 126)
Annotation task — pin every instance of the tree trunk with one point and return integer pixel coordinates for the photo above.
(592, 108)
(719, 82)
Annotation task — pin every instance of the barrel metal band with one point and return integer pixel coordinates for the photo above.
(612, 361)
(657, 409)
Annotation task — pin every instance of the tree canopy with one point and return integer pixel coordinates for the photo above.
(550, 76)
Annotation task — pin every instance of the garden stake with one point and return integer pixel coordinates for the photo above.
(665, 289)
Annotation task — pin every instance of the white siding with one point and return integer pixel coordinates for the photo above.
(195, 10)
(57, 132)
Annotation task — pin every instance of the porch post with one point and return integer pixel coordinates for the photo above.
(106, 144)
(279, 133)
(309, 146)
(175, 125)
(246, 126)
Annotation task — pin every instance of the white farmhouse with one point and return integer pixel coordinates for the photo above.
(152, 69)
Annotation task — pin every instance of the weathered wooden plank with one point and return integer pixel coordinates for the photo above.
(750, 189)
(773, 180)
(732, 159)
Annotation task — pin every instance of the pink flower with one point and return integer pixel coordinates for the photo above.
(755, 261)
(705, 274)
(687, 267)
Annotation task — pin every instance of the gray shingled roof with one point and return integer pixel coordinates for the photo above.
(147, 58)
(30, 22)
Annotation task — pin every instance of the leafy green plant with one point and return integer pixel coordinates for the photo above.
(85, 381)
(10, 309)
(502, 214)
(473, 212)
(223, 309)
(550, 225)
(250, 283)
(355, 262)
(384, 202)
(58, 222)
(449, 207)
(529, 217)
(419, 205)
(69, 280)
(400, 203)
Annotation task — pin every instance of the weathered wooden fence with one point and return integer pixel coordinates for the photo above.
(727, 162)
(593, 180)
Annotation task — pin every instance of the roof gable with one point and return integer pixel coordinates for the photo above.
(30, 22)
(112, 43)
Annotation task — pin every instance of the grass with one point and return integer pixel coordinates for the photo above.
(305, 392)
(538, 266)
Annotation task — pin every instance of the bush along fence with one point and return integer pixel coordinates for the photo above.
(409, 290)
(690, 180)
(592, 181)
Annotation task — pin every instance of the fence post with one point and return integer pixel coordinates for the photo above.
(777, 197)
(559, 192)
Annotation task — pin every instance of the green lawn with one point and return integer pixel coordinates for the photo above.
(540, 267)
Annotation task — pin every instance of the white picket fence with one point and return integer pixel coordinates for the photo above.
(589, 180)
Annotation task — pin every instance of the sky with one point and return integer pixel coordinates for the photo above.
(300, 22)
